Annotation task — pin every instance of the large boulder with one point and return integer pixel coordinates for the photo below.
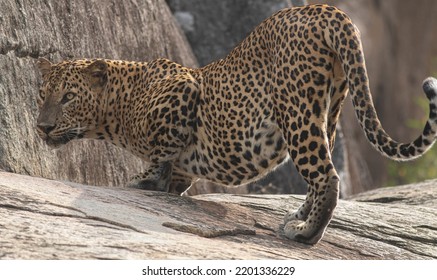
(214, 28)
(139, 30)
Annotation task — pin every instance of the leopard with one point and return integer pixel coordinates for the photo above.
(276, 96)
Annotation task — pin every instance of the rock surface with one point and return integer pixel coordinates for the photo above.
(44, 219)
(134, 30)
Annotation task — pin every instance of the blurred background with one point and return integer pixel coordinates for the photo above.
(400, 45)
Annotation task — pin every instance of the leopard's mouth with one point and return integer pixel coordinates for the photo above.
(57, 140)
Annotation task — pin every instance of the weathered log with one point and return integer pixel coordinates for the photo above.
(45, 219)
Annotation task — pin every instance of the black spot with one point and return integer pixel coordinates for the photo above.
(303, 136)
(315, 131)
(252, 168)
(303, 161)
(294, 140)
(418, 142)
(316, 108)
(239, 176)
(257, 149)
(313, 160)
(328, 168)
(235, 160)
(389, 151)
(242, 170)
(407, 150)
(264, 163)
(322, 152)
(194, 169)
(203, 170)
(314, 175)
(312, 146)
(229, 178)
(238, 147)
(279, 144)
(247, 155)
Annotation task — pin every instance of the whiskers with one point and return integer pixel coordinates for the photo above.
(77, 132)
(63, 137)
(63, 132)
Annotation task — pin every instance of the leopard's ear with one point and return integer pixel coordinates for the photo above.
(97, 74)
(44, 66)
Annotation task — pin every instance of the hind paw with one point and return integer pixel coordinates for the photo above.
(303, 232)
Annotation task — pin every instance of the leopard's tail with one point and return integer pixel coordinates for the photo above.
(350, 53)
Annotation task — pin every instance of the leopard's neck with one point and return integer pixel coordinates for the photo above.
(126, 98)
(124, 80)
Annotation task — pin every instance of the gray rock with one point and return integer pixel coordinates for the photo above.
(44, 219)
(142, 30)
(214, 28)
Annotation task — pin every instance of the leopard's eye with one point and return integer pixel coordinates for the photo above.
(68, 97)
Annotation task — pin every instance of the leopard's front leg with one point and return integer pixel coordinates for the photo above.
(170, 122)
(157, 177)
(161, 177)
(180, 182)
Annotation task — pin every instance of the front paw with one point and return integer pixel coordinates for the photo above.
(156, 177)
(149, 185)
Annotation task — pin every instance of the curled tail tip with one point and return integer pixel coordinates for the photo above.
(430, 87)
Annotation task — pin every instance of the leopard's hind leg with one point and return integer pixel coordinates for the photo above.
(308, 224)
(309, 130)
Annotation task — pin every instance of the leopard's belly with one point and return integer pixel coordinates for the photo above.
(233, 156)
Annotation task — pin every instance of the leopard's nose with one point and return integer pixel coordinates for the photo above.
(46, 127)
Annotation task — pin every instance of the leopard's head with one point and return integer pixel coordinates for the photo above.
(70, 99)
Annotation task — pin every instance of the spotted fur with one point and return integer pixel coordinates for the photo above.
(278, 94)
